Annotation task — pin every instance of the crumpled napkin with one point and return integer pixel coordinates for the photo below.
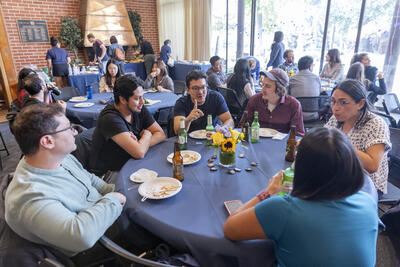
(143, 175)
(279, 136)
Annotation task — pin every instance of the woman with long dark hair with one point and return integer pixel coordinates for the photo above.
(159, 78)
(113, 72)
(324, 216)
(368, 132)
(241, 81)
(357, 72)
(277, 49)
(333, 69)
(57, 62)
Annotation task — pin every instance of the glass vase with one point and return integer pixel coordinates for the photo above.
(227, 159)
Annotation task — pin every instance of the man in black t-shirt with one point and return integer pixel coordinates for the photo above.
(125, 128)
(146, 49)
(199, 103)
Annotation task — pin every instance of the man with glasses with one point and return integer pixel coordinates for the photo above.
(125, 128)
(215, 75)
(199, 103)
(52, 200)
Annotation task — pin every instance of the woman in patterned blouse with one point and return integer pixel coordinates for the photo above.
(368, 133)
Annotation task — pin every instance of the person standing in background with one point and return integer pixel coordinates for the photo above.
(57, 62)
(111, 52)
(165, 52)
(148, 54)
(100, 54)
(277, 48)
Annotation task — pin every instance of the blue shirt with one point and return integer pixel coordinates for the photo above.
(57, 55)
(111, 52)
(164, 53)
(321, 233)
(255, 73)
(215, 105)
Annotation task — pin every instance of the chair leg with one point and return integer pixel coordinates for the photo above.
(4, 144)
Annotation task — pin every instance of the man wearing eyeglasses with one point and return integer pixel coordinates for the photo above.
(52, 200)
(199, 103)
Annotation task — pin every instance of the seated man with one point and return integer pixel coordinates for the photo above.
(289, 66)
(125, 128)
(215, 75)
(305, 83)
(199, 103)
(52, 200)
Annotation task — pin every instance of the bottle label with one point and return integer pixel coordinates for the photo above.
(182, 140)
(255, 134)
(208, 135)
(178, 170)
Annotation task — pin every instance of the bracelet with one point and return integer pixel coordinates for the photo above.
(263, 195)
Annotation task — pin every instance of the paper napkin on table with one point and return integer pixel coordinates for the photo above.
(143, 175)
(279, 136)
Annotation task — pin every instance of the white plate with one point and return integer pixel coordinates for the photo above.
(199, 134)
(160, 188)
(78, 99)
(84, 105)
(267, 132)
(189, 157)
(143, 175)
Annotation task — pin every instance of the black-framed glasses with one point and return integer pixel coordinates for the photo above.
(62, 130)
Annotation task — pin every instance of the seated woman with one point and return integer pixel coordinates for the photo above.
(276, 109)
(158, 78)
(334, 69)
(241, 81)
(371, 72)
(356, 71)
(21, 91)
(324, 216)
(368, 132)
(107, 82)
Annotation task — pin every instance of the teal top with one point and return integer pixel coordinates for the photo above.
(67, 208)
(321, 233)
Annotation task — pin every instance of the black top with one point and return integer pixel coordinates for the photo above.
(146, 48)
(105, 153)
(27, 101)
(215, 105)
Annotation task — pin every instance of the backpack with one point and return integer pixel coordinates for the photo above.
(119, 54)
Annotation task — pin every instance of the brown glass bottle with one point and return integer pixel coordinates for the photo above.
(245, 127)
(291, 145)
(177, 163)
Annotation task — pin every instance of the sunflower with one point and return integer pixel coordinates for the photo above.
(228, 145)
(218, 138)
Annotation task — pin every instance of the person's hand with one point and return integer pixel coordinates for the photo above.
(195, 113)
(63, 104)
(121, 198)
(91, 63)
(275, 184)
(153, 74)
(159, 88)
(380, 75)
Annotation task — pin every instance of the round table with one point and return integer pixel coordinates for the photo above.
(88, 116)
(192, 220)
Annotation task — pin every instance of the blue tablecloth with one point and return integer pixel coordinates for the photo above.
(193, 219)
(88, 116)
(80, 81)
(180, 70)
(137, 68)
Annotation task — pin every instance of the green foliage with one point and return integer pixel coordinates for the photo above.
(70, 35)
(136, 20)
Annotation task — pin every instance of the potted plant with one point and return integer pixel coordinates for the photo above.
(70, 36)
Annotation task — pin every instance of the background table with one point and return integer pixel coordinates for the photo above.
(80, 81)
(193, 219)
(180, 70)
(88, 116)
(138, 68)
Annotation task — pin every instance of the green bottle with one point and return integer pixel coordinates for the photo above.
(287, 180)
(182, 136)
(209, 130)
(255, 129)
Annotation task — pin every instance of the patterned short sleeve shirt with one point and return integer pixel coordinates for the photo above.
(371, 131)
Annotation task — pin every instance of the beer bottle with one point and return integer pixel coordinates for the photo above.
(255, 129)
(182, 135)
(177, 163)
(291, 144)
(209, 130)
(245, 127)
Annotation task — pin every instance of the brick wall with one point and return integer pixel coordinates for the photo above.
(52, 10)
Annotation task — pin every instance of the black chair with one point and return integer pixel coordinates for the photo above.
(162, 116)
(392, 103)
(394, 156)
(390, 121)
(179, 87)
(83, 143)
(67, 93)
(313, 104)
(235, 108)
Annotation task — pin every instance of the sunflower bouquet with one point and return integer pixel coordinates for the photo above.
(290, 73)
(226, 138)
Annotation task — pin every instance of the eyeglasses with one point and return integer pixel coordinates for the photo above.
(62, 130)
(195, 88)
(340, 102)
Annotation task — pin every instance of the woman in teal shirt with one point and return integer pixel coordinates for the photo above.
(326, 220)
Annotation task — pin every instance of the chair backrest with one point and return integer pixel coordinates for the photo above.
(390, 121)
(395, 140)
(67, 93)
(392, 102)
(161, 115)
(313, 103)
(232, 100)
(83, 143)
(179, 87)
